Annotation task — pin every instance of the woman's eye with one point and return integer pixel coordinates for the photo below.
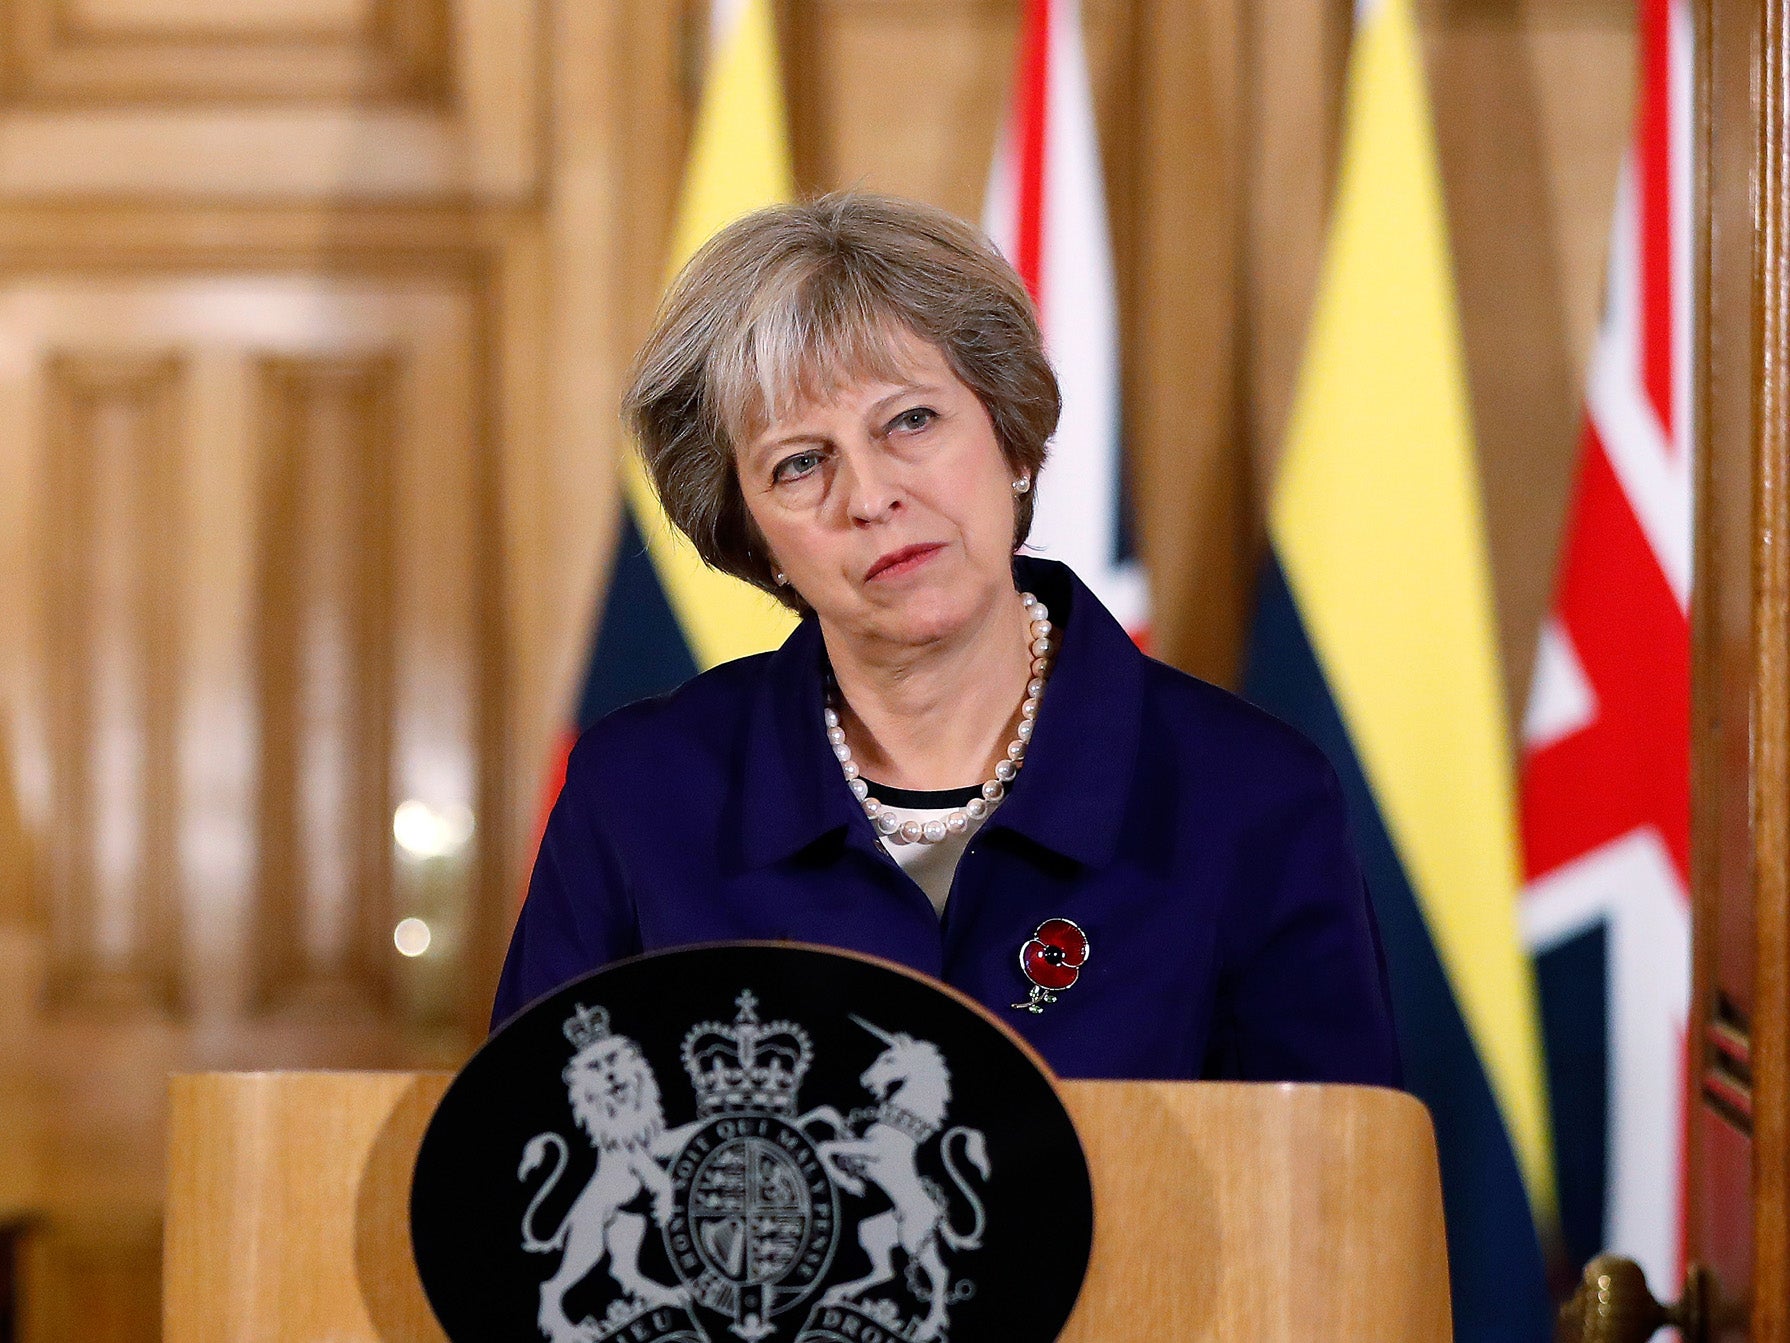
(794, 468)
(917, 418)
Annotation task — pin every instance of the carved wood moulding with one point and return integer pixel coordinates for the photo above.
(325, 634)
(109, 603)
(65, 51)
(258, 100)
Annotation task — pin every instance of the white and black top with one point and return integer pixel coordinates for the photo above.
(930, 865)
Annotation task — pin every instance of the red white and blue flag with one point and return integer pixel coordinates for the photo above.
(1046, 211)
(1605, 793)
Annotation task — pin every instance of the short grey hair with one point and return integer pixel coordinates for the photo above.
(788, 305)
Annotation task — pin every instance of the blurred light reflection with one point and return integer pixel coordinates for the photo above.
(423, 832)
(411, 937)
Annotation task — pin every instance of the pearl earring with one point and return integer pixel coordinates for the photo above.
(1021, 485)
(782, 578)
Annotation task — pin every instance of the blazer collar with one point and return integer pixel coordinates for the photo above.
(791, 793)
(1071, 796)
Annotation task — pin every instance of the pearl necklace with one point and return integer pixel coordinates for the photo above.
(934, 831)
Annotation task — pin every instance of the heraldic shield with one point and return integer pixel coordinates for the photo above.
(751, 1142)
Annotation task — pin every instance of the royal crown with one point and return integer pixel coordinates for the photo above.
(750, 1065)
(586, 1026)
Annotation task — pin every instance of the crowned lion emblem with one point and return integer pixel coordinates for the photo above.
(615, 1100)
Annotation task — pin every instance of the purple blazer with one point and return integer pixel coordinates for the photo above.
(1202, 844)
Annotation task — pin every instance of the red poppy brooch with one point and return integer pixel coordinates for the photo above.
(1051, 961)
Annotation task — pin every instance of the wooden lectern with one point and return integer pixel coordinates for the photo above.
(1222, 1211)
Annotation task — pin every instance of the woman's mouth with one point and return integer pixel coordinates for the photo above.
(903, 561)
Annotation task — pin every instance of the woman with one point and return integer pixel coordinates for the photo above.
(846, 403)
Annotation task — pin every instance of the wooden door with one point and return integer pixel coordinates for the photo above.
(1739, 1131)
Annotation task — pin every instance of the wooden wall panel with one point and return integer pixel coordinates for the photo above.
(112, 441)
(22, 1109)
(372, 100)
(450, 715)
(122, 51)
(332, 429)
(237, 235)
(325, 640)
(944, 108)
(18, 856)
(92, 1283)
(1178, 189)
(1294, 57)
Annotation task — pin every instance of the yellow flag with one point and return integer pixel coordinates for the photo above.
(739, 162)
(1377, 523)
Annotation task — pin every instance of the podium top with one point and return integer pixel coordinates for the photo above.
(1222, 1211)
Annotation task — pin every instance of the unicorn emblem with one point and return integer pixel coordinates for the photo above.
(912, 1087)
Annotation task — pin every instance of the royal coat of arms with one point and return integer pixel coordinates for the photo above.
(752, 1197)
(745, 1142)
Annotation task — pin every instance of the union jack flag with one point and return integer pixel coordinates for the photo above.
(1606, 740)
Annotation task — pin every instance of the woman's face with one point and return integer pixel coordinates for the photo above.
(889, 506)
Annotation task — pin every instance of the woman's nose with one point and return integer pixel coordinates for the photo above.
(872, 493)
